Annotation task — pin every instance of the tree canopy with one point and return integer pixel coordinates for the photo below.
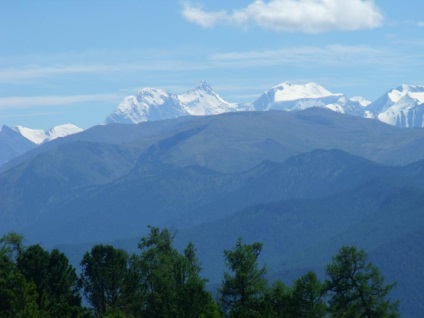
(161, 281)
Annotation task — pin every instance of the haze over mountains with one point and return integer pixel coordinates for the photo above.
(294, 170)
(402, 107)
(303, 183)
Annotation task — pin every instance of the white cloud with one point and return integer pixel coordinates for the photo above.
(205, 19)
(421, 24)
(31, 101)
(311, 16)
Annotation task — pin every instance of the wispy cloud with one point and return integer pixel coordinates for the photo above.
(330, 54)
(310, 16)
(36, 114)
(36, 101)
(16, 75)
(421, 24)
(176, 66)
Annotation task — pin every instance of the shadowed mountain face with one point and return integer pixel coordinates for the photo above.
(12, 144)
(303, 183)
(238, 141)
(168, 171)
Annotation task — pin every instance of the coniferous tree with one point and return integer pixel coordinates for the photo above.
(172, 280)
(245, 284)
(357, 288)
(307, 297)
(277, 302)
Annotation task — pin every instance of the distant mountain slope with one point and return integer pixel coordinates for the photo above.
(214, 162)
(238, 141)
(17, 141)
(381, 211)
(30, 188)
(12, 144)
(384, 218)
(154, 192)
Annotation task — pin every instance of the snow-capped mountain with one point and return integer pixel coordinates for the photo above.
(151, 104)
(289, 97)
(402, 107)
(38, 136)
(202, 100)
(148, 104)
(18, 140)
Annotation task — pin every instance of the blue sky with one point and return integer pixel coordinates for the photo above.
(74, 61)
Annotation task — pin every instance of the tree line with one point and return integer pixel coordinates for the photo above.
(160, 281)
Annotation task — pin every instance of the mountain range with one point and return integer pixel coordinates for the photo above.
(303, 183)
(402, 107)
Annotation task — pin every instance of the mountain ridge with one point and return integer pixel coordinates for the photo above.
(402, 106)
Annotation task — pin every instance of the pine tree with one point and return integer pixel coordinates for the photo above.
(357, 288)
(242, 288)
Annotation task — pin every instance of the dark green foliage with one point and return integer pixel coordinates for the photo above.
(17, 295)
(171, 280)
(307, 297)
(277, 301)
(242, 288)
(357, 288)
(54, 278)
(104, 273)
(303, 300)
(162, 282)
(36, 283)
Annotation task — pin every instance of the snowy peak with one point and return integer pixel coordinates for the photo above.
(62, 131)
(148, 104)
(288, 97)
(414, 91)
(38, 136)
(203, 100)
(287, 91)
(402, 106)
(361, 100)
(151, 104)
(34, 135)
(152, 96)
